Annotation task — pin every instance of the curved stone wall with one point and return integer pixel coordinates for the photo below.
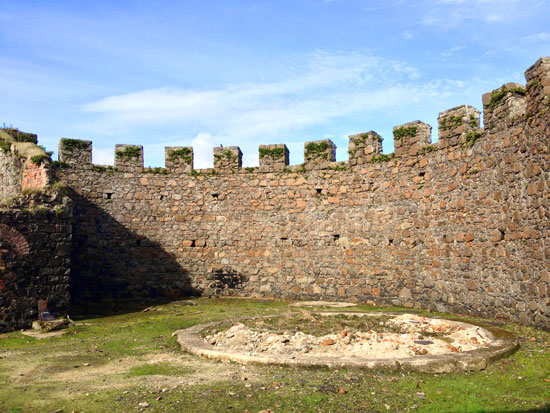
(462, 225)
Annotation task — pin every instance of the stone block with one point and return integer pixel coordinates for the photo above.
(178, 159)
(273, 157)
(129, 158)
(75, 152)
(363, 146)
(458, 126)
(319, 154)
(227, 158)
(410, 138)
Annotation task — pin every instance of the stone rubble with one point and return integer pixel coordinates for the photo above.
(415, 340)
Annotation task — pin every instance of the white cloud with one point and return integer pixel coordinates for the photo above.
(316, 90)
(103, 156)
(323, 87)
(447, 14)
(539, 37)
(202, 150)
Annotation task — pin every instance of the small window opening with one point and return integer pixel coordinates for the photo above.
(215, 196)
(319, 190)
(390, 241)
(108, 195)
(421, 173)
(336, 237)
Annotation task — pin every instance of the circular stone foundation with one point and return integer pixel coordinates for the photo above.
(351, 339)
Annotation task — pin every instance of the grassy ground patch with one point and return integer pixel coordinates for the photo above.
(130, 362)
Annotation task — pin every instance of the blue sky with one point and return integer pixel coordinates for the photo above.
(244, 73)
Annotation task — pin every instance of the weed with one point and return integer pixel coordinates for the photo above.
(274, 153)
(129, 152)
(5, 145)
(109, 170)
(498, 95)
(472, 137)
(182, 153)
(156, 171)
(73, 144)
(427, 149)
(404, 131)
(380, 158)
(38, 159)
(317, 150)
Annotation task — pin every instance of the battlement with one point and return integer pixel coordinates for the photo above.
(507, 108)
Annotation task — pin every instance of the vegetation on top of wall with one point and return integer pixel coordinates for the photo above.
(182, 153)
(274, 153)
(19, 136)
(130, 152)
(227, 154)
(314, 149)
(472, 137)
(60, 164)
(532, 84)
(100, 168)
(5, 145)
(37, 159)
(381, 158)
(498, 95)
(156, 171)
(474, 123)
(72, 144)
(426, 149)
(340, 166)
(404, 131)
(450, 122)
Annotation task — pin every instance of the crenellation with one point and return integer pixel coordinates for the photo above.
(504, 108)
(178, 159)
(363, 146)
(538, 97)
(75, 152)
(228, 158)
(273, 157)
(457, 126)
(410, 138)
(319, 154)
(129, 158)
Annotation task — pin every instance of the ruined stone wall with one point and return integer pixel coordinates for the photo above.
(10, 174)
(35, 245)
(459, 226)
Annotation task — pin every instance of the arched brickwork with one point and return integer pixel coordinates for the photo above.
(15, 238)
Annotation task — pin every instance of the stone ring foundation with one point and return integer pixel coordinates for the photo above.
(497, 343)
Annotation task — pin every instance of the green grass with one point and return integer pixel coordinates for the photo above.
(163, 369)
(108, 363)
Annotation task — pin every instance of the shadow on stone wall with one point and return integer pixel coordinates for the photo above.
(114, 268)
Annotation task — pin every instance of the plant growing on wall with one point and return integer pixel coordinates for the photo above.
(404, 131)
(5, 145)
(182, 153)
(274, 153)
(130, 152)
(314, 150)
(225, 154)
(381, 158)
(73, 144)
(498, 95)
